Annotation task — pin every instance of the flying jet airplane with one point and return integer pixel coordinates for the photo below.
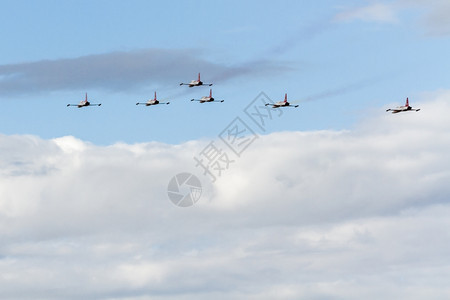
(403, 108)
(152, 102)
(197, 82)
(84, 103)
(284, 103)
(209, 98)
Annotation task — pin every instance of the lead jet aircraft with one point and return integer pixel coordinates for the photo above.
(403, 108)
(197, 82)
(84, 103)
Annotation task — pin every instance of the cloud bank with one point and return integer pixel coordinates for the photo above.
(318, 215)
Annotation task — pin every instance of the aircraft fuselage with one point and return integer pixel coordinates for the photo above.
(195, 83)
(280, 104)
(152, 102)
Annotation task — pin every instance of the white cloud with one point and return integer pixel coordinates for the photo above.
(376, 12)
(350, 214)
(433, 15)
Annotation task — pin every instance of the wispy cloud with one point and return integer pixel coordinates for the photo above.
(376, 12)
(433, 15)
(353, 87)
(118, 71)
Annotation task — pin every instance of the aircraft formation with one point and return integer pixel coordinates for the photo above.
(210, 98)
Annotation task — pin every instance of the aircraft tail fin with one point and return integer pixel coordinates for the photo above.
(198, 76)
(210, 93)
(285, 97)
(407, 102)
(155, 96)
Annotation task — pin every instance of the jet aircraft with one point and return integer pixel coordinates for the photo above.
(209, 98)
(403, 108)
(84, 103)
(284, 103)
(153, 101)
(197, 82)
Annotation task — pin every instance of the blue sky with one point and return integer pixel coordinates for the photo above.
(332, 52)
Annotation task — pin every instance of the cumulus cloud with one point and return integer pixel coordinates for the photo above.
(320, 214)
(118, 71)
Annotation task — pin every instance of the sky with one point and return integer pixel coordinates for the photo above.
(337, 59)
(335, 199)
